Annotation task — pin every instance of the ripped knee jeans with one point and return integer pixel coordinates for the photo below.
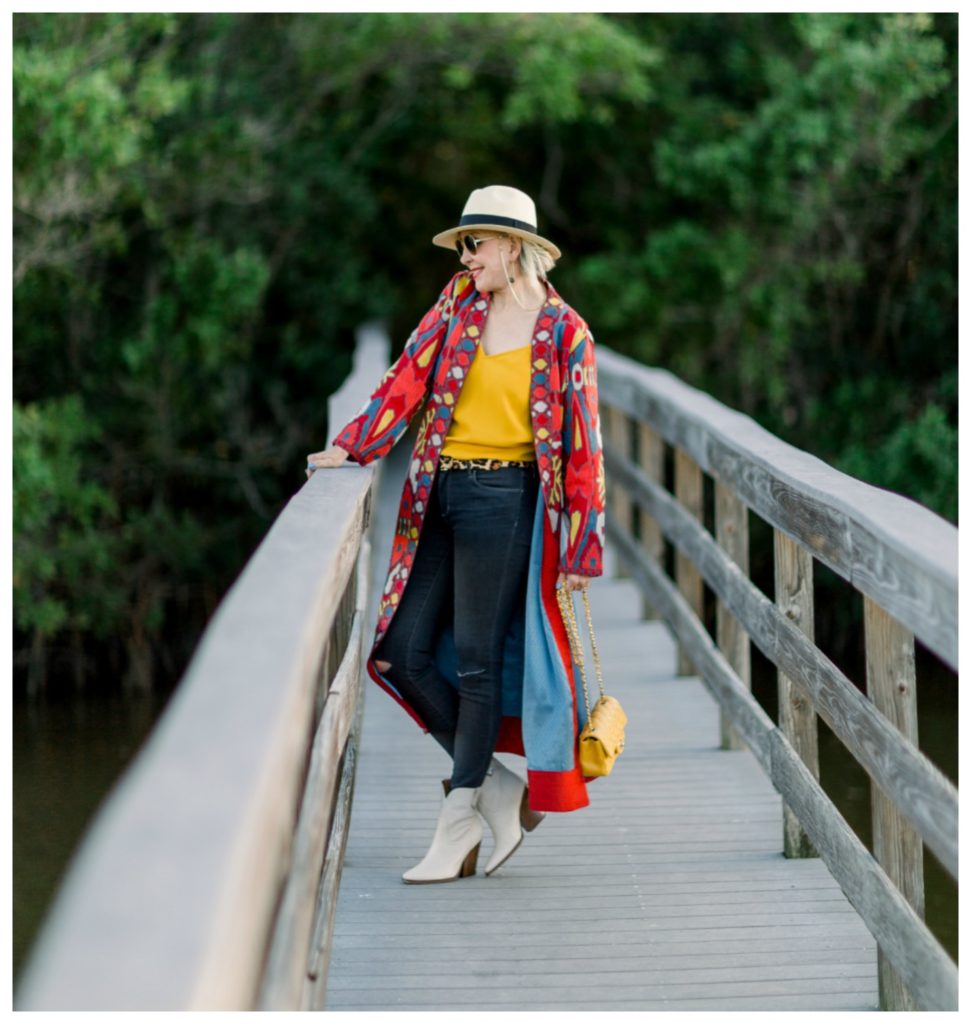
(472, 562)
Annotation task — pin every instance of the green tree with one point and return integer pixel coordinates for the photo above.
(797, 258)
(64, 531)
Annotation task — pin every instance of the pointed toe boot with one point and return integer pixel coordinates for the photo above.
(504, 803)
(455, 845)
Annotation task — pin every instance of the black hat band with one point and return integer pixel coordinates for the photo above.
(506, 222)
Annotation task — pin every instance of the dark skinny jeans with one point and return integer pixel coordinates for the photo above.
(473, 552)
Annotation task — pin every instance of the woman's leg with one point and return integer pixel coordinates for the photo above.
(490, 513)
(409, 642)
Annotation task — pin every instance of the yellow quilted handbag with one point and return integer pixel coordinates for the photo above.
(602, 738)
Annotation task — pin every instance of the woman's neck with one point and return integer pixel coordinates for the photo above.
(532, 295)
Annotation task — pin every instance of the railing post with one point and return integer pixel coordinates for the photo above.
(891, 686)
(651, 448)
(621, 506)
(731, 532)
(688, 490)
(797, 717)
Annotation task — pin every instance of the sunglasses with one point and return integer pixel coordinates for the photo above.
(470, 243)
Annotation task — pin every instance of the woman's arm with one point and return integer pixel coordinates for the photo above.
(385, 415)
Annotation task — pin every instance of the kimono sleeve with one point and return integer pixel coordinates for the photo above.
(584, 491)
(385, 416)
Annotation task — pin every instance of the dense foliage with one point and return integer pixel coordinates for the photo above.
(206, 205)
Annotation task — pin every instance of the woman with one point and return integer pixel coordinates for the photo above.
(506, 490)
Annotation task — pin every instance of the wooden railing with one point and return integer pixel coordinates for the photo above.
(209, 878)
(903, 560)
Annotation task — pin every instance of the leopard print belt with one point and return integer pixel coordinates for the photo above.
(448, 462)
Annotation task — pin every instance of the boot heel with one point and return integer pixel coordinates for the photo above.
(528, 818)
(468, 865)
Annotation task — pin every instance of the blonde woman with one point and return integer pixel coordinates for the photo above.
(503, 503)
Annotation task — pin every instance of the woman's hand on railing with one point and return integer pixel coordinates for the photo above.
(329, 458)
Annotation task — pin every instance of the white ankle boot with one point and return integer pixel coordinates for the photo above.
(455, 846)
(504, 803)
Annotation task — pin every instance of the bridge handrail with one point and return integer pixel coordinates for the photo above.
(890, 548)
(208, 878)
(903, 559)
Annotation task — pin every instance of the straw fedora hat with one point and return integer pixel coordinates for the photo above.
(498, 208)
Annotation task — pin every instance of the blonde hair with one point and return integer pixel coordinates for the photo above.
(535, 260)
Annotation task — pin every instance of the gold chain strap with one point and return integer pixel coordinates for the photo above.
(593, 644)
(568, 613)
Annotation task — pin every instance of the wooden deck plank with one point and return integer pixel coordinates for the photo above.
(679, 852)
(497, 992)
(631, 960)
(630, 976)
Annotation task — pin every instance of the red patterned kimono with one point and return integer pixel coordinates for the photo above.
(541, 717)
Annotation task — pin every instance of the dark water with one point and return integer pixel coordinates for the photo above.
(67, 752)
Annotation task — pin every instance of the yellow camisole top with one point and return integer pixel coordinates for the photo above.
(491, 418)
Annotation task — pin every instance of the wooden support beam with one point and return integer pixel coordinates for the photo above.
(797, 716)
(651, 447)
(731, 532)
(688, 489)
(891, 686)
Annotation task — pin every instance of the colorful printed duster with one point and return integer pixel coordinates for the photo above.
(542, 717)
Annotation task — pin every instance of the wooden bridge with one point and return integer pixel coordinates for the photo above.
(251, 858)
